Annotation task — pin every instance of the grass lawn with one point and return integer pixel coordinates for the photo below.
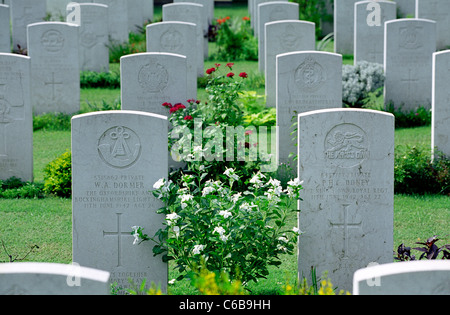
(47, 222)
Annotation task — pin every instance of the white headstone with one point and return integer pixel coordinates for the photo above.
(5, 32)
(117, 19)
(370, 17)
(283, 37)
(344, 24)
(93, 49)
(406, 8)
(117, 156)
(55, 70)
(177, 37)
(135, 15)
(207, 4)
(150, 79)
(346, 160)
(16, 120)
(191, 13)
(52, 279)
(255, 17)
(421, 277)
(23, 13)
(306, 81)
(270, 12)
(57, 9)
(439, 11)
(409, 48)
(148, 10)
(440, 131)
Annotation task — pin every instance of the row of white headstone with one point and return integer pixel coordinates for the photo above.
(346, 159)
(404, 46)
(122, 17)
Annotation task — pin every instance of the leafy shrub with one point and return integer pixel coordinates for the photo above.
(359, 80)
(52, 121)
(91, 79)
(14, 188)
(209, 225)
(412, 118)
(235, 40)
(416, 173)
(58, 176)
(314, 11)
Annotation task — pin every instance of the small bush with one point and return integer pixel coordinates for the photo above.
(52, 121)
(14, 188)
(235, 41)
(412, 118)
(91, 79)
(360, 80)
(416, 173)
(58, 176)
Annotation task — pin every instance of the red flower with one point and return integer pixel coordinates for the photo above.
(230, 75)
(230, 64)
(243, 75)
(217, 65)
(210, 70)
(246, 18)
(166, 104)
(188, 117)
(176, 107)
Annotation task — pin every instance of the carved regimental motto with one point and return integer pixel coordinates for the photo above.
(119, 147)
(153, 77)
(346, 146)
(309, 76)
(52, 41)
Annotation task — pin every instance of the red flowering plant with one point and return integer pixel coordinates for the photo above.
(205, 143)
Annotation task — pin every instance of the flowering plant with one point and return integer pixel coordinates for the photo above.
(209, 225)
(210, 133)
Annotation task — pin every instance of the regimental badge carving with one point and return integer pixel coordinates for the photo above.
(290, 39)
(410, 37)
(310, 75)
(346, 145)
(172, 40)
(119, 147)
(52, 41)
(88, 39)
(153, 77)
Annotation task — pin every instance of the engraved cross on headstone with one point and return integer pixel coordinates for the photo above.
(409, 81)
(53, 83)
(119, 235)
(346, 225)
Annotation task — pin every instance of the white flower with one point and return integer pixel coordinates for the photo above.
(207, 190)
(246, 206)
(236, 197)
(283, 239)
(197, 249)
(172, 281)
(219, 229)
(225, 213)
(159, 183)
(186, 197)
(296, 182)
(172, 217)
(256, 179)
(135, 230)
(231, 174)
(274, 182)
(176, 230)
(297, 230)
(224, 238)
